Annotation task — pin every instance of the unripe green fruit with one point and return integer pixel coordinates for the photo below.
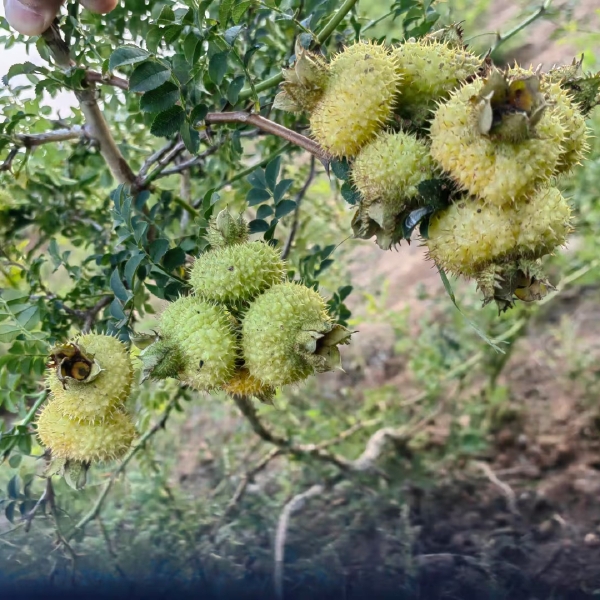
(203, 341)
(430, 71)
(98, 398)
(470, 235)
(236, 273)
(498, 172)
(358, 100)
(84, 441)
(287, 335)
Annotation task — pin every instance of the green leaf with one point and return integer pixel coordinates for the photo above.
(8, 333)
(117, 286)
(9, 512)
(166, 16)
(25, 444)
(158, 249)
(257, 179)
(272, 172)
(29, 318)
(174, 258)
(161, 98)
(281, 188)
(234, 89)
(217, 67)
(190, 47)
(258, 226)
(224, 11)
(126, 55)
(285, 207)
(231, 34)
(198, 113)
(14, 461)
(264, 211)
(190, 137)
(168, 122)
(239, 11)
(349, 194)
(116, 310)
(341, 169)
(132, 266)
(13, 487)
(257, 196)
(153, 38)
(148, 76)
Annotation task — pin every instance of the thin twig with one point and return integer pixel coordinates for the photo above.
(109, 547)
(154, 157)
(502, 38)
(119, 82)
(294, 505)
(51, 500)
(270, 127)
(290, 239)
(92, 314)
(188, 164)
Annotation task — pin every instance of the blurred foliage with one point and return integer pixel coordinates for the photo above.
(73, 240)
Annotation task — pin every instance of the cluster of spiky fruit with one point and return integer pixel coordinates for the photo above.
(85, 420)
(436, 134)
(244, 329)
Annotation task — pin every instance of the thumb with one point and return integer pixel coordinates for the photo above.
(31, 17)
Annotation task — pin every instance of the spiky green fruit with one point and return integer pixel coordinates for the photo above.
(469, 235)
(358, 101)
(387, 172)
(198, 344)
(499, 172)
(304, 83)
(104, 390)
(287, 335)
(227, 230)
(236, 273)
(430, 70)
(84, 441)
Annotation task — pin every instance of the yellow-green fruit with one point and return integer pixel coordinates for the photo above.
(84, 441)
(544, 223)
(430, 71)
(287, 335)
(499, 172)
(575, 145)
(470, 235)
(358, 101)
(236, 273)
(100, 397)
(389, 169)
(206, 347)
(245, 385)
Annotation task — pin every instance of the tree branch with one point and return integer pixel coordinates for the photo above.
(294, 505)
(95, 122)
(119, 82)
(32, 140)
(270, 127)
